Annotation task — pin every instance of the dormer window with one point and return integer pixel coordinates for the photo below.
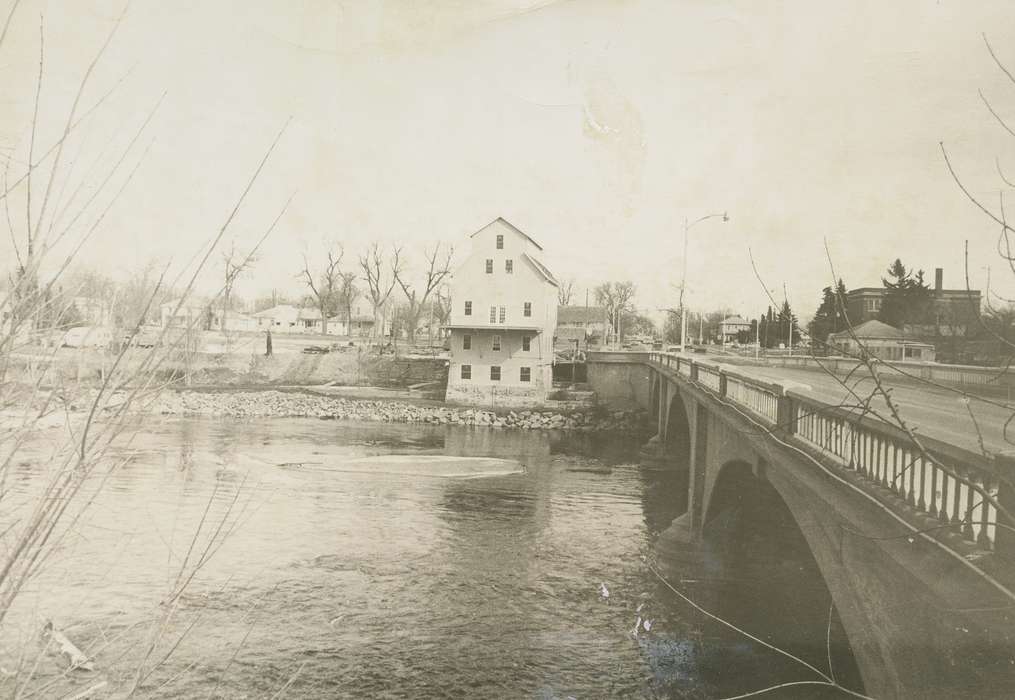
(500, 241)
(489, 266)
(509, 266)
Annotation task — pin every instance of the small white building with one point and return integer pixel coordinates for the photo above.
(876, 339)
(503, 317)
(281, 318)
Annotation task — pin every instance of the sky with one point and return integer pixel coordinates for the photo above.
(596, 126)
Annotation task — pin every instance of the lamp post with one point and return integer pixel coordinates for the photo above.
(683, 281)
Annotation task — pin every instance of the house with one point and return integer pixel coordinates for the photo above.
(191, 313)
(586, 324)
(204, 315)
(876, 339)
(281, 318)
(731, 327)
(310, 320)
(361, 325)
(502, 321)
(955, 310)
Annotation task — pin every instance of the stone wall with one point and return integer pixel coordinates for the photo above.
(494, 396)
(620, 385)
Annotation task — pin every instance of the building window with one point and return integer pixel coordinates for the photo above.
(466, 371)
(503, 314)
(500, 241)
(525, 343)
(509, 266)
(526, 374)
(466, 342)
(489, 266)
(468, 308)
(495, 374)
(496, 343)
(528, 309)
(493, 314)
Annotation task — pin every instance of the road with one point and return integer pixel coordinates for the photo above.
(930, 410)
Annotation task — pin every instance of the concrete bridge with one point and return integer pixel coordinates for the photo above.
(908, 539)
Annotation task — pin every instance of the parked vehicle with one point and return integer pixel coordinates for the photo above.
(88, 337)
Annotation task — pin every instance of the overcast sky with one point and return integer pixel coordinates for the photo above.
(594, 126)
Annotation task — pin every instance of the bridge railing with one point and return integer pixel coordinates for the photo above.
(973, 377)
(941, 487)
(951, 485)
(760, 397)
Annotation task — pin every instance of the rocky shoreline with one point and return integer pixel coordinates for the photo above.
(278, 404)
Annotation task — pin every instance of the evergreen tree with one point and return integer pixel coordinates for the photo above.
(787, 325)
(908, 298)
(831, 314)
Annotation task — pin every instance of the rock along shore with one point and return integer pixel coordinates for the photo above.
(278, 404)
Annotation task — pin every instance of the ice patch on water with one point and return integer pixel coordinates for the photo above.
(443, 466)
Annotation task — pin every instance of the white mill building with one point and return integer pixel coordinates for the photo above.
(503, 317)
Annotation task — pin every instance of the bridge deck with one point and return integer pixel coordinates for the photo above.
(932, 411)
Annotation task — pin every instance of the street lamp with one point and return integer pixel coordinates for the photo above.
(683, 281)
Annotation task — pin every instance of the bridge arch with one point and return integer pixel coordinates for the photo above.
(677, 432)
(734, 482)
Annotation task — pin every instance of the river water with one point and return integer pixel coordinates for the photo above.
(338, 559)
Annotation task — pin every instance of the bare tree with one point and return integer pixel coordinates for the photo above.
(348, 293)
(380, 279)
(99, 414)
(565, 292)
(438, 267)
(325, 288)
(616, 298)
(442, 305)
(233, 266)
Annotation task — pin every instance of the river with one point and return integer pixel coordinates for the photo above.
(331, 561)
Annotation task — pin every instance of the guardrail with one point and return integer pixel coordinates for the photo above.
(947, 487)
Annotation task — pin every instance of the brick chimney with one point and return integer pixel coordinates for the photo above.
(938, 279)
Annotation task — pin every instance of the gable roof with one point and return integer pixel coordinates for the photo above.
(541, 269)
(873, 329)
(580, 314)
(511, 226)
(274, 311)
(736, 321)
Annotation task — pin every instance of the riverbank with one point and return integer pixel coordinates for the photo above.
(278, 404)
(351, 366)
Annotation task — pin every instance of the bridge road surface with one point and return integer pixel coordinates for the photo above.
(931, 411)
